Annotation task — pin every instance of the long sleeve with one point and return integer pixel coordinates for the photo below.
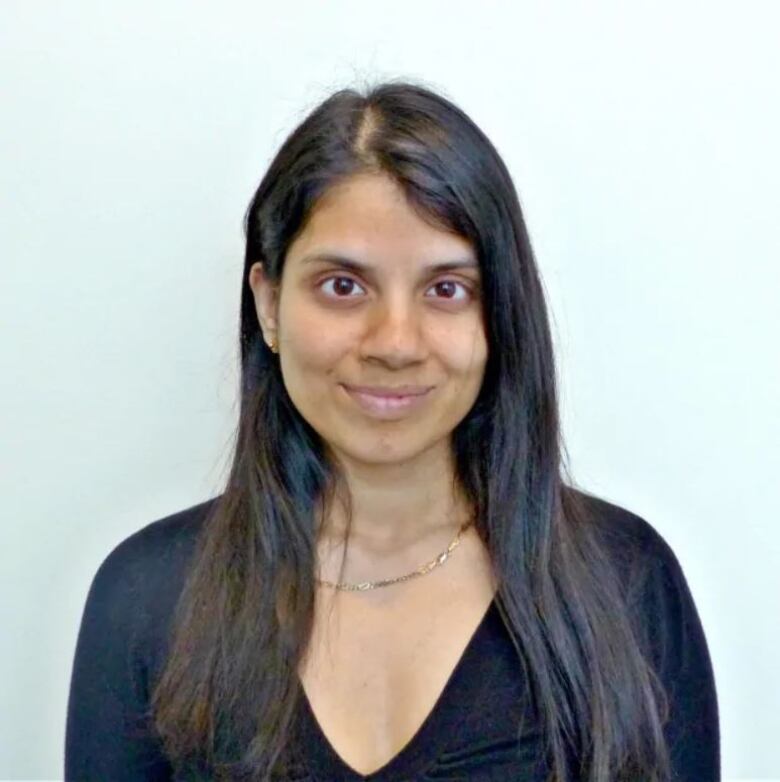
(681, 657)
(107, 736)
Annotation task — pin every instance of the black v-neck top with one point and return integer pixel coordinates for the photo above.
(453, 742)
(471, 733)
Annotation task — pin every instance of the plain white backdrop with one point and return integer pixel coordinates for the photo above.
(643, 140)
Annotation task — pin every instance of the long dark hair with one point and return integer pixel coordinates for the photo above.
(228, 692)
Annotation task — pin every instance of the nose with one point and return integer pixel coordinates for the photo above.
(393, 334)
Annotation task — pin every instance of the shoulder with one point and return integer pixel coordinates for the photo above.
(135, 589)
(634, 544)
(122, 642)
(668, 628)
(165, 537)
(156, 550)
(658, 596)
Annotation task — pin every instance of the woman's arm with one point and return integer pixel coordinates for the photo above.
(678, 646)
(107, 734)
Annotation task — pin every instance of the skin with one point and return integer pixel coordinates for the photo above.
(394, 324)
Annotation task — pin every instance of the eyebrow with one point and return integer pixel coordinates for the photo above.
(357, 266)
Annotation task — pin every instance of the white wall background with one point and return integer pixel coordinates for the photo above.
(643, 139)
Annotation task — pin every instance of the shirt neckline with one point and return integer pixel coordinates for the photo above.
(422, 749)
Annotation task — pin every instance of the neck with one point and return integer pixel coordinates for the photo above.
(387, 516)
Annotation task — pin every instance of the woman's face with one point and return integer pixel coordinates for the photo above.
(392, 322)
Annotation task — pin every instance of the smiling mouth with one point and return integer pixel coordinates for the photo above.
(385, 404)
(390, 391)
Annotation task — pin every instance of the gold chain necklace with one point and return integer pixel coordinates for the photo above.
(434, 563)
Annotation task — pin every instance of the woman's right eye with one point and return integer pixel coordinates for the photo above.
(342, 286)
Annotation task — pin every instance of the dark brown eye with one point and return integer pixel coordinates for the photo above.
(342, 286)
(450, 286)
(447, 286)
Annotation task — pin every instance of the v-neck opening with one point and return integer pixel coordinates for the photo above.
(438, 725)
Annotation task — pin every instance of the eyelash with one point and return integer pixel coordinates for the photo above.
(465, 287)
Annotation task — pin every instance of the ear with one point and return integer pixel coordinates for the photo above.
(266, 300)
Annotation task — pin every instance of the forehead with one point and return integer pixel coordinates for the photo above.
(369, 215)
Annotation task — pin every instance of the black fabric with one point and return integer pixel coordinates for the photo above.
(471, 733)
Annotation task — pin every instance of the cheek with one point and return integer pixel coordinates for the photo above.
(464, 352)
(312, 345)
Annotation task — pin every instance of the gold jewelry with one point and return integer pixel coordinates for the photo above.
(272, 345)
(434, 563)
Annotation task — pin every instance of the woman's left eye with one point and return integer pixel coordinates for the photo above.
(450, 284)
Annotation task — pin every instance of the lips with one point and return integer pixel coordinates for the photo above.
(388, 402)
(389, 391)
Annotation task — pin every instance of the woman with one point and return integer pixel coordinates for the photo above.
(396, 583)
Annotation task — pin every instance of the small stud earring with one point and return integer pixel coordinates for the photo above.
(272, 345)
